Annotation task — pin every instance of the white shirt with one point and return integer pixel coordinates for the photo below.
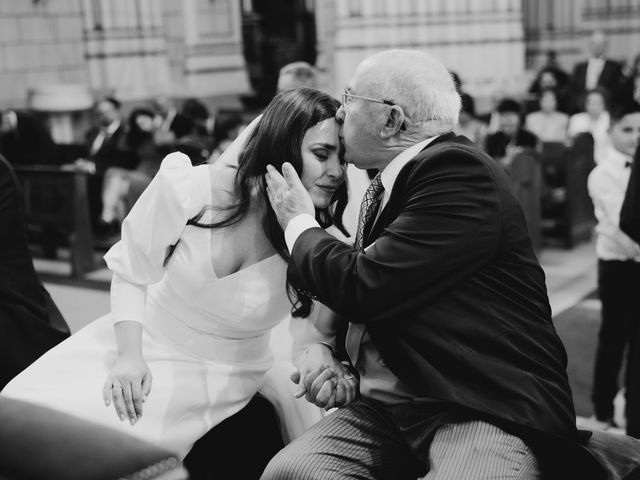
(607, 187)
(594, 69)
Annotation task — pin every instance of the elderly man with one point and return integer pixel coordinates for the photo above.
(462, 374)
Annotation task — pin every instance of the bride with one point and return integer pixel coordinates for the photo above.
(199, 280)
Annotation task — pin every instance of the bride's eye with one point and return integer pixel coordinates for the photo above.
(321, 154)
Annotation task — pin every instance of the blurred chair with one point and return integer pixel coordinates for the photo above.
(524, 171)
(567, 210)
(39, 443)
(57, 211)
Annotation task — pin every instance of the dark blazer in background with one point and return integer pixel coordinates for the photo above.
(609, 77)
(30, 323)
(454, 299)
(114, 151)
(630, 211)
(30, 143)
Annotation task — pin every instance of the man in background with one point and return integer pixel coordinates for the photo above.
(597, 71)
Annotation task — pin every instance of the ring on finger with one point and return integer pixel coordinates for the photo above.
(117, 386)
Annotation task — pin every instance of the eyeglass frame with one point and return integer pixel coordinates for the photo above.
(346, 94)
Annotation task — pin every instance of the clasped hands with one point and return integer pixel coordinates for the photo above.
(323, 380)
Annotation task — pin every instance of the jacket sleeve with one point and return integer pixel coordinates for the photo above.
(447, 228)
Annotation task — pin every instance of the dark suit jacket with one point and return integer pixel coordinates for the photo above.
(114, 151)
(26, 309)
(452, 294)
(609, 77)
(30, 143)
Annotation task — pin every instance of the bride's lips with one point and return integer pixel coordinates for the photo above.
(329, 189)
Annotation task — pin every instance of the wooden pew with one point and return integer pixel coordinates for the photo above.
(524, 171)
(56, 205)
(567, 210)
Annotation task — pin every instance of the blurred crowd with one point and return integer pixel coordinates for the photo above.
(122, 153)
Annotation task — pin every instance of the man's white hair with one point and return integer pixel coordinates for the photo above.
(416, 81)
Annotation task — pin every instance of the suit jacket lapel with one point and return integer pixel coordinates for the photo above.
(381, 221)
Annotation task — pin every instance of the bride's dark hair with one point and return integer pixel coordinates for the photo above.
(277, 138)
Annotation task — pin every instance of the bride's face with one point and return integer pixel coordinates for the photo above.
(322, 170)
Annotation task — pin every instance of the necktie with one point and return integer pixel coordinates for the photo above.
(98, 141)
(368, 208)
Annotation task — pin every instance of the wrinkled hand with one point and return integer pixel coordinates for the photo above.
(128, 385)
(323, 380)
(287, 195)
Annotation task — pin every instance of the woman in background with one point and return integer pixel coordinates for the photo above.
(548, 124)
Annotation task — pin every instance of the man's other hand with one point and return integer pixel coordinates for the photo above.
(323, 380)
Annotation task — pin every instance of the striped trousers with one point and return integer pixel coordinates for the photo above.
(367, 440)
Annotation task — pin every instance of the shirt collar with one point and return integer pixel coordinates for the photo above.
(618, 159)
(391, 171)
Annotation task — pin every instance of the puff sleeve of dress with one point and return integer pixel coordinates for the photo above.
(177, 193)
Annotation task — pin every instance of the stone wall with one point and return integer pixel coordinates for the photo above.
(483, 42)
(40, 43)
(131, 48)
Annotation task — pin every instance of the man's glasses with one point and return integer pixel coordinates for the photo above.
(346, 96)
(346, 100)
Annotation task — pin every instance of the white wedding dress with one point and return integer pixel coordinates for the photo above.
(206, 339)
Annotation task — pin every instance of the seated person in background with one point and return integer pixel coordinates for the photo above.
(122, 186)
(510, 137)
(297, 74)
(199, 281)
(196, 143)
(24, 139)
(548, 78)
(169, 124)
(548, 124)
(468, 125)
(30, 322)
(618, 273)
(595, 120)
(107, 147)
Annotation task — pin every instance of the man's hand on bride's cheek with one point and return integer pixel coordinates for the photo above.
(287, 194)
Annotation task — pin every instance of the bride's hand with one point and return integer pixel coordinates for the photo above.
(128, 384)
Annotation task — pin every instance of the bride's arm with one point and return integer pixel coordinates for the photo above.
(129, 380)
(322, 378)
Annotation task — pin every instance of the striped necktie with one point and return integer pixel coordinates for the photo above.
(368, 208)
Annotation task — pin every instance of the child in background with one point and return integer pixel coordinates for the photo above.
(618, 268)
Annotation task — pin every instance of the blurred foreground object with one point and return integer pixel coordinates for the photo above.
(39, 443)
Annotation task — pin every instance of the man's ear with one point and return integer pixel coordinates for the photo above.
(394, 123)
